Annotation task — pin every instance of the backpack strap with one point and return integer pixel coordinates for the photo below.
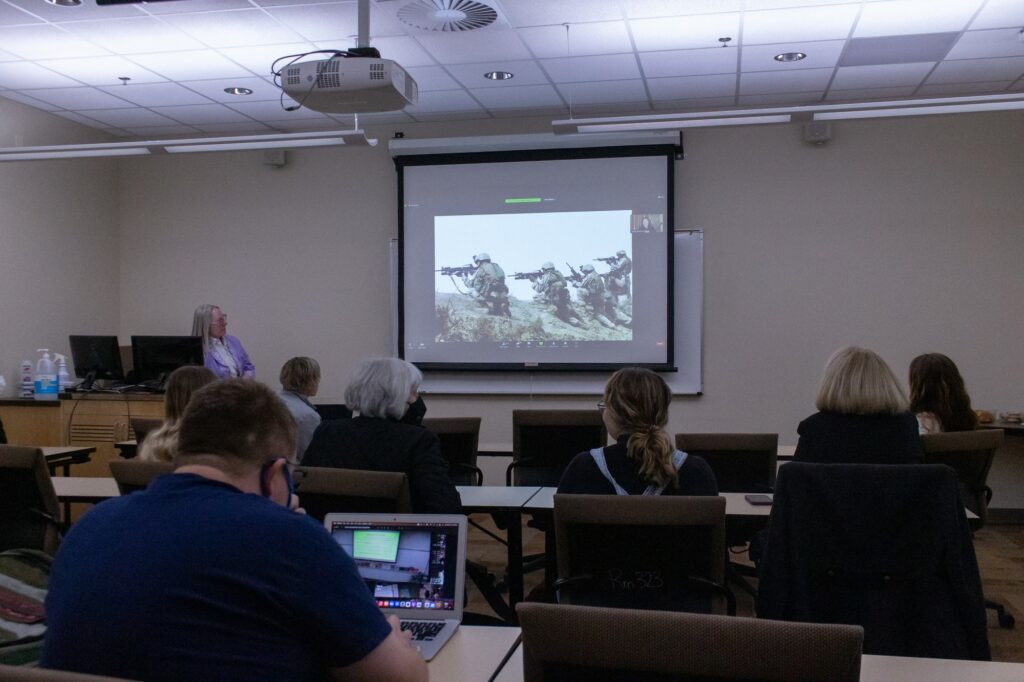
(678, 459)
(602, 466)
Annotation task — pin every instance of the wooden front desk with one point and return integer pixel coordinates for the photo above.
(102, 419)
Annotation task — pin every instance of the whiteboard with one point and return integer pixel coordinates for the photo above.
(688, 329)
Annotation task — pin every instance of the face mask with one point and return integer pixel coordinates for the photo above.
(414, 414)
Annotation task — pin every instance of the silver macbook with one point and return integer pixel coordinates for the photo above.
(414, 566)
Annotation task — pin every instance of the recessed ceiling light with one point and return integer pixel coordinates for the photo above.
(65, 3)
(238, 91)
(498, 75)
(790, 57)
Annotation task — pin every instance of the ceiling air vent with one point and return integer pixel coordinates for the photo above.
(447, 15)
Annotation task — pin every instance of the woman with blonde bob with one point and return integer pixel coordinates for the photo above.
(863, 415)
(300, 381)
(643, 460)
(161, 444)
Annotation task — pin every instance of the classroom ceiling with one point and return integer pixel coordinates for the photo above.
(583, 57)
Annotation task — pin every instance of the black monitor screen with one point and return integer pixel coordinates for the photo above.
(96, 356)
(157, 356)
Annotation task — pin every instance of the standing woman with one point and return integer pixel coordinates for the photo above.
(222, 354)
(161, 444)
(643, 460)
(938, 396)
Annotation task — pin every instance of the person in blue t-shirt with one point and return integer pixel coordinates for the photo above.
(212, 572)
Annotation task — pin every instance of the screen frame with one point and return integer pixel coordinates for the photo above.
(669, 151)
(75, 342)
(143, 369)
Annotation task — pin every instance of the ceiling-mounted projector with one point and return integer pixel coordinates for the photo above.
(349, 85)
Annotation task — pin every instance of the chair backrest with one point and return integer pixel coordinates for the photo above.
(333, 411)
(29, 513)
(323, 490)
(460, 442)
(621, 644)
(20, 673)
(545, 441)
(742, 462)
(970, 454)
(133, 474)
(141, 426)
(641, 552)
(886, 547)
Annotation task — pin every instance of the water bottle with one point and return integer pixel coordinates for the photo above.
(64, 381)
(46, 377)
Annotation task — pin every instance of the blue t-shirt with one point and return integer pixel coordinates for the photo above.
(194, 579)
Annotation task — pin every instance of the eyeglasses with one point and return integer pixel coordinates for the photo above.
(600, 406)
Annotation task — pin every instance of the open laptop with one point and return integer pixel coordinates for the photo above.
(414, 566)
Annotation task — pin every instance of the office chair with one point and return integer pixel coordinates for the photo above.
(333, 411)
(323, 490)
(662, 553)
(141, 427)
(886, 547)
(133, 475)
(460, 442)
(545, 441)
(640, 646)
(29, 513)
(970, 455)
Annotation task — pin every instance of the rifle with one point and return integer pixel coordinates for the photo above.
(536, 274)
(575, 277)
(457, 270)
(609, 260)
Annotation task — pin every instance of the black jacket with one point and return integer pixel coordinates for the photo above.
(387, 445)
(834, 438)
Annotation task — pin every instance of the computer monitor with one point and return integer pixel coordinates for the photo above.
(95, 357)
(155, 357)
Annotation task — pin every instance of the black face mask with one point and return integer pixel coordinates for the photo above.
(414, 414)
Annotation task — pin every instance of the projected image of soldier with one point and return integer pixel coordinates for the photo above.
(617, 279)
(552, 290)
(487, 285)
(598, 301)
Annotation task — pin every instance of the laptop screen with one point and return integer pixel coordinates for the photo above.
(411, 566)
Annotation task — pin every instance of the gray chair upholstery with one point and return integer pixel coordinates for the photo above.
(460, 442)
(622, 644)
(141, 426)
(132, 474)
(323, 490)
(29, 513)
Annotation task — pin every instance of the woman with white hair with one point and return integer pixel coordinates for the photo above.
(222, 353)
(380, 393)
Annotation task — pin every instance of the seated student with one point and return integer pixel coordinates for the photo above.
(643, 460)
(300, 380)
(161, 443)
(938, 397)
(209, 575)
(862, 418)
(382, 391)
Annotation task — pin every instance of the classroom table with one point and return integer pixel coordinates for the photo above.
(65, 456)
(82, 489)
(473, 653)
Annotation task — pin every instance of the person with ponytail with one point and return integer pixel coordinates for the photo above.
(938, 396)
(642, 461)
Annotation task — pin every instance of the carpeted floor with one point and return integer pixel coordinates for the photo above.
(1000, 551)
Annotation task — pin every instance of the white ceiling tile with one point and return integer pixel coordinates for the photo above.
(132, 36)
(432, 78)
(643, 9)
(796, 25)
(333, 21)
(613, 108)
(689, 62)
(401, 49)
(606, 92)
(962, 88)
(794, 98)
(819, 55)
(273, 111)
(201, 113)
(262, 89)
(869, 93)
(377, 119)
(233, 29)
(30, 101)
(604, 37)
(880, 76)
(681, 33)
(18, 75)
(546, 112)
(8, 57)
(244, 127)
(84, 120)
(768, 82)
(80, 99)
(1000, 14)
(299, 124)
(161, 132)
(40, 42)
(594, 68)
(692, 87)
(189, 66)
(130, 117)
(754, 5)
(258, 59)
(905, 17)
(58, 14)
(542, 12)
(523, 97)
(976, 70)
(444, 101)
(12, 16)
(452, 116)
(484, 45)
(1002, 42)
(156, 94)
(695, 104)
(472, 75)
(194, 6)
(101, 70)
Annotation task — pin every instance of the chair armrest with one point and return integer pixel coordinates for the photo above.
(555, 588)
(522, 461)
(476, 471)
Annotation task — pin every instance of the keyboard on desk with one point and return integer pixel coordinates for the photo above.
(423, 629)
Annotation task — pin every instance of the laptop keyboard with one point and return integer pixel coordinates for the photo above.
(422, 630)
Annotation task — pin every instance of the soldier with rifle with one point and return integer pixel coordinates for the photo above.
(551, 289)
(598, 300)
(620, 267)
(487, 285)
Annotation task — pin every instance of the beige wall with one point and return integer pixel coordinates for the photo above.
(58, 241)
(902, 235)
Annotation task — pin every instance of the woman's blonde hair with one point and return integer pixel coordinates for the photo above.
(638, 400)
(161, 443)
(858, 381)
(201, 319)
(300, 375)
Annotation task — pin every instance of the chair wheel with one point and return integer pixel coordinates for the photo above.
(1006, 621)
